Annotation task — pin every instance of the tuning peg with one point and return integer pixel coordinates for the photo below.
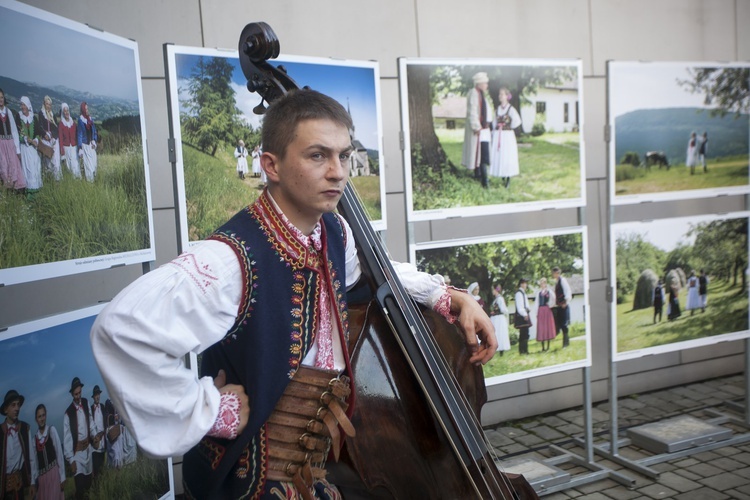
(260, 109)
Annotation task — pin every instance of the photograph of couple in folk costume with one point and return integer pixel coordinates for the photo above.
(491, 136)
(679, 130)
(680, 282)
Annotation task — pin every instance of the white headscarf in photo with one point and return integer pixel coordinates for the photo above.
(69, 120)
(30, 118)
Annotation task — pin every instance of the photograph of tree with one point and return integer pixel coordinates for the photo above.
(680, 283)
(217, 133)
(491, 135)
(74, 189)
(554, 294)
(44, 362)
(680, 130)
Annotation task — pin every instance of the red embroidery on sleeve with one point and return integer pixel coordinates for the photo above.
(228, 421)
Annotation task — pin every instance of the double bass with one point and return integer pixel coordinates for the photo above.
(418, 435)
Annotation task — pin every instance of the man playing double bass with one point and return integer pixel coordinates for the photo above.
(264, 301)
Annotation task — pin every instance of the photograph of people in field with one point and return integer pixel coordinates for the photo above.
(74, 191)
(218, 139)
(680, 282)
(679, 130)
(80, 444)
(534, 287)
(491, 136)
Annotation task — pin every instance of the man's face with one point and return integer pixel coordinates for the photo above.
(12, 410)
(483, 86)
(311, 177)
(41, 418)
(77, 395)
(96, 398)
(555, 274)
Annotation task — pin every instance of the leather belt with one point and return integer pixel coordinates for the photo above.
(304, 427)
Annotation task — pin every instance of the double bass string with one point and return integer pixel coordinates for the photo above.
(446, 384)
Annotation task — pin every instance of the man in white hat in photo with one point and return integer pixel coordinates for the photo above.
(479, 117)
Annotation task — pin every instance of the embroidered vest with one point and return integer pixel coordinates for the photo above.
(23, 432)
(273, 332)
(46, 457)
(73, 419)
(6, 132)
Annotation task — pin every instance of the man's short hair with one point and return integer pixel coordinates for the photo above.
(555, 269)
(283, 115)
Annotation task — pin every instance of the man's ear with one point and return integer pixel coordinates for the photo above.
(269, 162)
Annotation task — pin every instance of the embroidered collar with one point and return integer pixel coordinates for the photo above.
(42, 435)
(27, 119)
(290, 243)
(307, 241)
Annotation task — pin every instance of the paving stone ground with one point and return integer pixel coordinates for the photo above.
(699, 474)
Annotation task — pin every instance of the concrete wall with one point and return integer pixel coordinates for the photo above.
(593, 30)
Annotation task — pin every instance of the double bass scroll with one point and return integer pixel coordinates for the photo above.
(415, 361)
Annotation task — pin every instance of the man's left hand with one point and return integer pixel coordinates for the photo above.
(476, 326)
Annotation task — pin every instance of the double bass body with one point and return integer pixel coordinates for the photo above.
(400, 450)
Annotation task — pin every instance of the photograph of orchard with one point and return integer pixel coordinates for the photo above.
(491, 269)
(214, 111)
(679, 129)
(79, 200)
(680, 283)
(41, 360)
(535, 146)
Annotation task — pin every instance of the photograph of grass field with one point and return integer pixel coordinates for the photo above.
(40, 358)
(546, 136)
(210, 189)
(494, 266)
(67, 222)
(679, 130)
(680, 283)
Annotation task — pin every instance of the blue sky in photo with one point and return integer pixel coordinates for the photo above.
(65, 56)
(352, 86)
(41, 365)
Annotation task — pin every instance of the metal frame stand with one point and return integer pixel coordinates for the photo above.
(561, 456)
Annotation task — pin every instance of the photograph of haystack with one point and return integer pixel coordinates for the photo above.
(491, 136)
(50, 366)
(541, 273)
(218, 133)
(74, 184)
(680, 283)
(680, 130)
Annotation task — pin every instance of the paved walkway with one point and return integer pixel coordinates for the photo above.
(721, 473)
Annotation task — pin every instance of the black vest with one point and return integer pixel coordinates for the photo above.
(273, 332)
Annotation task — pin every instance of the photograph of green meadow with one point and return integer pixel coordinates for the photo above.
(216, 112)
(679, 129)
(71, 217)
(676, 255)
(495, 269)
(547, 99)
